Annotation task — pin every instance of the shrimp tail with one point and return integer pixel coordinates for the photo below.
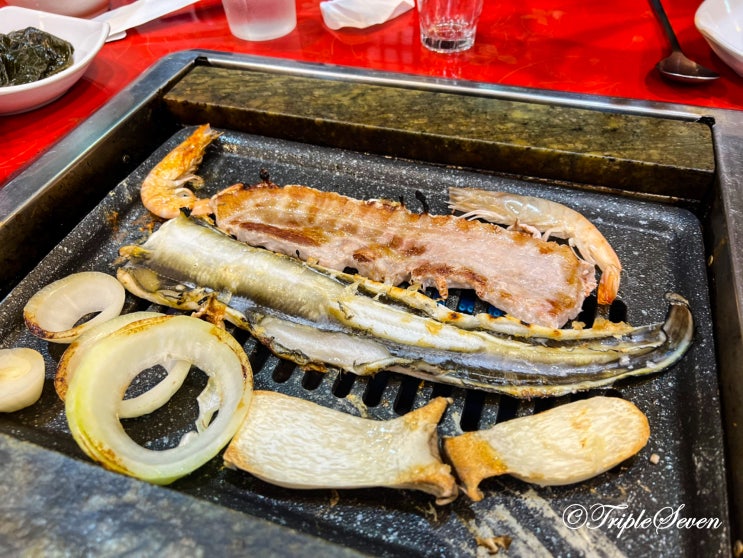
(608, 285)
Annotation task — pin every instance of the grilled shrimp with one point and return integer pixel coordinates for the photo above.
(538, 215)
(162, 191)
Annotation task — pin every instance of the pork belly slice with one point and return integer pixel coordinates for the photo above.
(565, 445)
(538, 282)
(295, 443)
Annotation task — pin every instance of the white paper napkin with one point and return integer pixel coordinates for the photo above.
(362, 13)
(137, 13)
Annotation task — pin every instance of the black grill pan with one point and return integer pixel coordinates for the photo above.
(680, 471)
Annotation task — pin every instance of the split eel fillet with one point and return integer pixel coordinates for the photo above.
(294, 443)
(536, 281)
(564, 445)
(323, 319)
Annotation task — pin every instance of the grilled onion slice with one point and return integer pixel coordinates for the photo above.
(298, 444)
(142, 404)
(107, 367)
(53, 311)
(21, 378)
(564, 445)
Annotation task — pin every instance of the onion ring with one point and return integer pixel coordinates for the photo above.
(52, 313)
(21, 378)
(142, 404)
(93, 397)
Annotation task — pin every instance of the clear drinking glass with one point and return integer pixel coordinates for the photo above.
(448, 25)
(260, 20)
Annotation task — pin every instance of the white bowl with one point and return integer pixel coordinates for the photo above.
(721, 24)
(75, 8)
(87, 38)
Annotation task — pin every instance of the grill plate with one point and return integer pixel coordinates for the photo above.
(661, 250)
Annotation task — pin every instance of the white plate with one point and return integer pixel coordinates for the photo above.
(75, 8)
(87, 38)
(721, 24)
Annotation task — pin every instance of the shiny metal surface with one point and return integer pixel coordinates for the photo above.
(677, 66)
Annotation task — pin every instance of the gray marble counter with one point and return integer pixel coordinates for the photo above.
(52, 505)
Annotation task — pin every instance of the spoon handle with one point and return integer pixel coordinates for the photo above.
(661, 15)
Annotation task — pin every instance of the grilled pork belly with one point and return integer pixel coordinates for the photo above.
(536, 281)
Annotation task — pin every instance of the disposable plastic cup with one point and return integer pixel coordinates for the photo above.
(448, 25)
(260, 20)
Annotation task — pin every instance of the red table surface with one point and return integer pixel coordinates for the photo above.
(603, 48)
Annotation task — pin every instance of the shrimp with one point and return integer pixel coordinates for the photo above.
(162, 191)
(537, 215)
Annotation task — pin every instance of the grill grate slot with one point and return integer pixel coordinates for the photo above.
(406, 395)
(441, 390)
(282, 370)
(608, 392)
(588, 312)
(375, 389)
(472, 410)
(507, 408)
(343, 384)
(618, 311)
(258, 356)
(547, 403)
(311, 380)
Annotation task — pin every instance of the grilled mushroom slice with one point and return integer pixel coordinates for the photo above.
(295, 443)
(564, 445)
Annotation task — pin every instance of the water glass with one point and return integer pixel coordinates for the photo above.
(260, 20)
(448, 25)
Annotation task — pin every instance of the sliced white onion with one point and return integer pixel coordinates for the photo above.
(53, 311)
(159, 394)
(208, 400)
(108, 366)
(68, 362)
(21, 378)
(142, 404)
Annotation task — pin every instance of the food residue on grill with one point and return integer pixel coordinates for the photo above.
(30, 54)
(494, 544)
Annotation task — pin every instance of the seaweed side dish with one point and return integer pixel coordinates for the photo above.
(31, 54)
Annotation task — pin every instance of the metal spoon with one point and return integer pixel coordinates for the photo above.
(677, 66)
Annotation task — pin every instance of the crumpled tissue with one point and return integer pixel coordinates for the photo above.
(362, 13)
